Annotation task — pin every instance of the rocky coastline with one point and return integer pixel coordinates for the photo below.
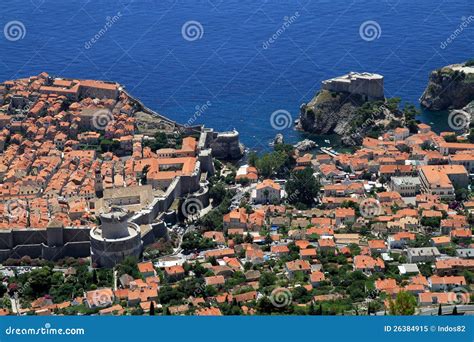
(450, 87)
(352, 113)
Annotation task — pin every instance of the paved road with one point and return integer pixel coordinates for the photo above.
(447, 309)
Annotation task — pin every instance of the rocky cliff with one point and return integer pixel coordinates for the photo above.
(347, 115)
(329, 112)
(451, 87)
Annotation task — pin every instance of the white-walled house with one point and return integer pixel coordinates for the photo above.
(268, 191)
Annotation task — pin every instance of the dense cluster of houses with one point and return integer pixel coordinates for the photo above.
(52, 166)
(401, 203)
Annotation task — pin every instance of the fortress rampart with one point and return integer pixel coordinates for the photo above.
(56, 242)
(224, 145)
(365, 84)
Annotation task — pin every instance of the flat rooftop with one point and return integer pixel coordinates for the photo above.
(355, 75)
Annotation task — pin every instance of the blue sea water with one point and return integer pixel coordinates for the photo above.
(246, 62)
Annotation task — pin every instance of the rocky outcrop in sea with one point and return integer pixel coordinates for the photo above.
(278, 139)
(451, 87)
(349, 115)
(304, 145)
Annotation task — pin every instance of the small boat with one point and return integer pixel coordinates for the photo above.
(327, 141)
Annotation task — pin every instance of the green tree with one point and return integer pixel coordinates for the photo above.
(301, 295)
(248, 238)
(470, 137)
(267, 279)
(272, 163)
(253, 158)
(144, 174)
(169, 295)
(3, 290)
(217, 193)
(410, 112)
(451, 138)
(152, 309)
(266, 193)
(312, 311)
(195, 240)
(404, 304)
(40, 281)
(393, 103)
(432, 222)
(129, 266)
(264, 305)
(462, 194)
(213, 261)
(412, 126)
(302, 187)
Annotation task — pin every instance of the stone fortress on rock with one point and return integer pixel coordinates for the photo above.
(335, 107)
(368, 85)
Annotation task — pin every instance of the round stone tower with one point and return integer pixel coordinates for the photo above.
(115, 239)
(114, 224)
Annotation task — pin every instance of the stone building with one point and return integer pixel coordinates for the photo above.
(406, 186)
(368, 85)
(115, 239)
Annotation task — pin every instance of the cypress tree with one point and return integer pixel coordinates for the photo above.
(152, 309)
(320, 310)
(312, 310)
